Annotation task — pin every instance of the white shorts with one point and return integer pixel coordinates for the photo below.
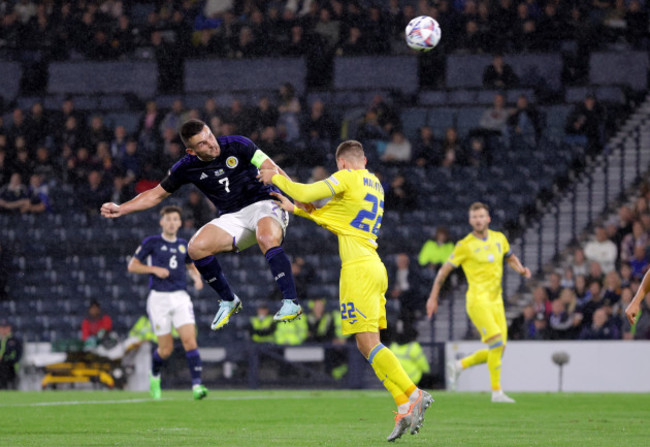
(242, 225)
(167, 309)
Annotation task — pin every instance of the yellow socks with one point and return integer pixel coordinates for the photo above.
(391, 374)
(494, 363)
(477, 358)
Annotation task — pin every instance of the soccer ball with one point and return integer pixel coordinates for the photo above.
(423, 33)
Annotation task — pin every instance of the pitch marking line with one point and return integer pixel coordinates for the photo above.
(144, 400)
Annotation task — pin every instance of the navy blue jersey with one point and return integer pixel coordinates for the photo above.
(170, 255)
(229, 181)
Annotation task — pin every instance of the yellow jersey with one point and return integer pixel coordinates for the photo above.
(354, 213)
(482, 262)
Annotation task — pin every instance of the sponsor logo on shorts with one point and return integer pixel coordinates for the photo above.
(232, 162)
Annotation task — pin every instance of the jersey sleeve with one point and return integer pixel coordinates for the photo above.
(144, 250)
(506, 246)
(458, 256)
(174, 179)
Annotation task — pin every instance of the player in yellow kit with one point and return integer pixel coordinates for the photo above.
(354, 214)
(481, 254)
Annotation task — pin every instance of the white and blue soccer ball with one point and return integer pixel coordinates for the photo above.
(423, 33)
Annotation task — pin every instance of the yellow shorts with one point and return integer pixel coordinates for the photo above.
(362, 298)
(489, 319)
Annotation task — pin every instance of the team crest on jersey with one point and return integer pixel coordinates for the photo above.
(181, 248)
(491, 257)
(232, 162)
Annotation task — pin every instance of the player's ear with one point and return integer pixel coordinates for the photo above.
(190, 151)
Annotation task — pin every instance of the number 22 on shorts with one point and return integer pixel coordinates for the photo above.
(348, 312)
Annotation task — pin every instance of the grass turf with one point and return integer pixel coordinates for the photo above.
(316, 418)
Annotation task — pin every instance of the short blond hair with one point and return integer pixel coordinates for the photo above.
(350, 147)
(479, 206)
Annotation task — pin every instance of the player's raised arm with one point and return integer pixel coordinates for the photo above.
(514, 262)
(143, 201)
(633, 309)
(432, 302)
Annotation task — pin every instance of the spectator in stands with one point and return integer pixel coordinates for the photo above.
(10, 355)
(601, 250)
(93, 193)
(5, 168)
(39, 198)
(435, 252)
(472, 40)
(554, 286)
(22, 163)
(261, 327)
(198, 210)
(638, 236)
(612, 288)
(411, 356)
(398, 150)
(568, 279)
(581, 289)
(499, 75)
(354, 44)
(95, 324)
(265, 114)
(624, 224)
(595, 272)
(14, 196)
(541, 303)
(525, 123)
(618, 315)
(476, 153)
(540, 327)
(39, 124)
(319, 130)
(601, 328)
(426, 149)
(401, 196)
(174, 117)
(44, 166)
(494, 119)
(636, 25)
(560, 322)
(579, 263)
(320, 323)
(406, 288)
(97, 132)
(594, 302)
(170, 63)
(585, 125)
(289, 108)
(522, 327)
(639, 262)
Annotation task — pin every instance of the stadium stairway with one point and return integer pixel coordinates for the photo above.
(565, 221)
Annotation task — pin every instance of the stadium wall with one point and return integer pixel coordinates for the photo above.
(599, 366)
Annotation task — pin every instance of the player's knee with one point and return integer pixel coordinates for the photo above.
(165, 351)
(189, 344)
(495, 341)
(267, 241)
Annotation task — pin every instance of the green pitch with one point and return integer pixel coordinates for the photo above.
(316, 418)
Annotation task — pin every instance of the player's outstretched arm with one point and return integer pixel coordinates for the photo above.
(143, 201)
(135, 266)
(633, 309)
(432, 302)
(517, 266)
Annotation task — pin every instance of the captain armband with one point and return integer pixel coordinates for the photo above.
(259, 157)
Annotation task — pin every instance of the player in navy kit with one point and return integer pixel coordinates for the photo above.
(164, 258)
(225, 169)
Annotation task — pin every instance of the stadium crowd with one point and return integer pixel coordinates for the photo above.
(40, 149)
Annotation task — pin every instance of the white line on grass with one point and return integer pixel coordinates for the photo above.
(131, 401)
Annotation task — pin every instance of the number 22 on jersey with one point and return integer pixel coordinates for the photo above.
(365, 218)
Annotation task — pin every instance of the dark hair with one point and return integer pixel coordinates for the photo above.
(191, 128)
(352, 147)
(171, 209)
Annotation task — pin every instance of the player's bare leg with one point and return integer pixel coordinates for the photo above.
(206, 243)
(269, 236)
